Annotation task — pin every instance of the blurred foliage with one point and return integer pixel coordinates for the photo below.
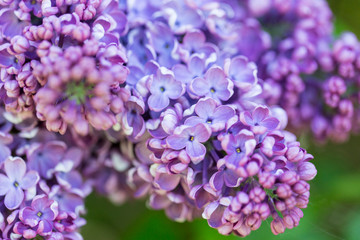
(333, 211)
(346, 15)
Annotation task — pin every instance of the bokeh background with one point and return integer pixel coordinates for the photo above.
(333, 211)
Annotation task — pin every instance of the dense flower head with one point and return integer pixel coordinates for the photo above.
(80, 40)
(183, 102)
(78, 94)
(334, 102)
(244, 174)
(42, 188)
(205, 143)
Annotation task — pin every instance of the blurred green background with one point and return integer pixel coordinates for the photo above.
(333, 211)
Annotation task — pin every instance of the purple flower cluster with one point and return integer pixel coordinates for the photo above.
(314, 76)
(213, 148)
(64, 62)
(183, 102)
(42, 189)
(208, 155)
(331, 105)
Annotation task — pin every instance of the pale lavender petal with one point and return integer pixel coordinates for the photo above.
(40, 202)
(176, 212)
(217, 180)
(215, 76)
(199, 86)
(195, 150)
(24, 230)
(5, 184)
(159, 201)
(201, 133)
(246, 118)
(29, 180)
(200, 196)
(231, 179)
(225, 93)
(194, 39)
(167, 181)
(196, 66)
(193, 120)
(270, 123)
(174, 89)
(205, 108)
(242, 72)
(14, 198)
(4, 153)
(47, 229)
(260, 114)
(15, 168)
(177, 142)
(158, 102)
(233, 160)
(223, 113)
(182, 73)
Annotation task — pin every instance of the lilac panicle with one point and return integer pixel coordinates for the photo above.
(183, 102)
(214, 148)
(41, 39)
(42, 188)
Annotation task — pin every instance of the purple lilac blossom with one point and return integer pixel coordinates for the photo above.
(218, 134)
(192, 121)
(212, 139)
(60, 185)
(163, 87)
(40, 41)
(16, 180)
(37, 219)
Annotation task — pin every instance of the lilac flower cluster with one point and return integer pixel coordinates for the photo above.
(218, 153)
(331, 106)
(183, 102)
(64, 62)
(291, 42)
(213, 148)
(313, 74)
(61, 63)
(42, 191)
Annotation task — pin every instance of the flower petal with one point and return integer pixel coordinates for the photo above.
(174, 89)
(260, 113)
(270, 123)
(223, 113)
(5, 184)
(216, 218)
(177, 142)
(167, 181)
(193, 120)
(159, 201)
(15, 168)
(199, 86)
(205, 108)
(4, 153)
(196, 151)
(158, 102)
(28, 216)
(30, 179)
(201, 132)
(196, 66)
(14, 198)
(176, 212)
